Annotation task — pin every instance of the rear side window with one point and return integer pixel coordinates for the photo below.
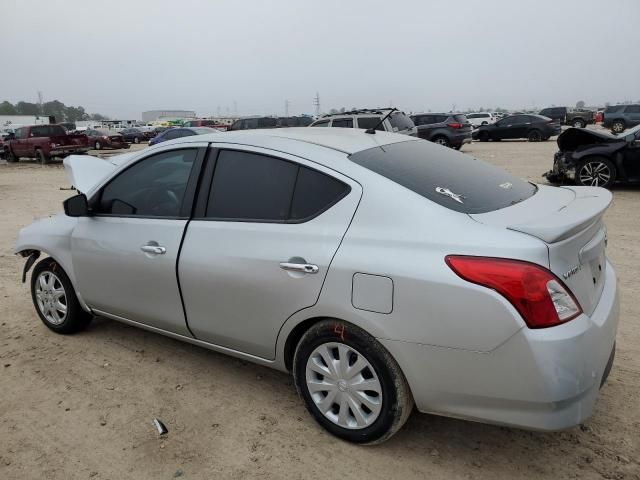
(314, 193)
(460, 118)
(613, 108)
(267, 122)
(401, 121)
(253, 187)
(632, 109)
(448, 178)
(370, 122)
(343, 123)
(40, 131)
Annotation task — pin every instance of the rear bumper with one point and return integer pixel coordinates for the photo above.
(546, 379)
(56, 152)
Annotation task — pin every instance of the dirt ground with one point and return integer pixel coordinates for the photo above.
(81, 407)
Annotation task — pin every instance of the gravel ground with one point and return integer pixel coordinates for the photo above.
(80, 407)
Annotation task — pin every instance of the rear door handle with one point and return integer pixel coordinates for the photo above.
(299, 267)
(155, 249)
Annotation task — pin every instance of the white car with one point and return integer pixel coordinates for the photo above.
(481, 118)
(380, 269)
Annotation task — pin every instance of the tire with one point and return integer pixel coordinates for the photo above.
(388, 394)
(544, 139)
(618, 126)
(97, 145)
(483, 136)
(136, 139)
(578, 123)
(12, 157)
(457, 147)
(596, 172)
(534, 136)
(441, 140)
(41, 157)
(48, 282)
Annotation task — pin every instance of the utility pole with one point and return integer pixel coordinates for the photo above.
(286, 108)
(40, 102)
(316, 103)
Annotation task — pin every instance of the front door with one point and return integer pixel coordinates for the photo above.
(125, 255)
(260, 245)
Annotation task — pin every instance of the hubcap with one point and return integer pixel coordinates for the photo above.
(441, 141)
(617, 127)
(51, 298)
(344, 386)
(594, 174)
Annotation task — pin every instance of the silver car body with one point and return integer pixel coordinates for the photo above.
(463, 348)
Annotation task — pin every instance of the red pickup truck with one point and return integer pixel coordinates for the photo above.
(44, 142)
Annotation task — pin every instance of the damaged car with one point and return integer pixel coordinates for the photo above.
(382, 271)
(596, 158)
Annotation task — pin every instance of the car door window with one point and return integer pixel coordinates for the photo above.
(249, 186)
(314, 193)
(171, 134)
(153, 187)
(343, 123)
(632, 109)
(370, 122)
(323, 123)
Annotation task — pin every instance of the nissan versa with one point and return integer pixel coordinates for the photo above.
(382, 270)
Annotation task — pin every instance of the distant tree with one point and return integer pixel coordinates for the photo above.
(97, 117)
(606, 104)
(7, 108)
(580, 104)
(342, 110)
(333, 110)
(56, 109)
(27, 108)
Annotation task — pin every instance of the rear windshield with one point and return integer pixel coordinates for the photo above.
(401, 121)
(451, 179)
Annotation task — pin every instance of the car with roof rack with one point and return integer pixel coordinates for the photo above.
(383, 119)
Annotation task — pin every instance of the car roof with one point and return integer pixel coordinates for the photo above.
(347, 140)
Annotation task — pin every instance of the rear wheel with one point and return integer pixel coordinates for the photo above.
(98, 146)
(579, 123)
(483, 136)
(440, 140)
(136, 139)
(618, 126)
(55, 299)
(596, 172)
(12, 157)
(41, 157)
(350, 383)
(534, 136)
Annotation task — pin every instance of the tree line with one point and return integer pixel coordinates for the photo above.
(56, 108)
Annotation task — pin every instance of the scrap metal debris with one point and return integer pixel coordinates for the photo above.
(162, 430)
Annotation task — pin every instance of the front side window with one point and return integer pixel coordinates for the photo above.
(343, 123)
(321, 123)
(40, 131)
(400, 122)
(153, 187)
(252, 187)
(632, 109)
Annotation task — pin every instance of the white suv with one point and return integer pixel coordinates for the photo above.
(396, 121)
(481, 118)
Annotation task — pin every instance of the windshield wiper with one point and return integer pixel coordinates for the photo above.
(373, 129)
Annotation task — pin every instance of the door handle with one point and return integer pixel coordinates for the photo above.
(155, 249)
(299, 267)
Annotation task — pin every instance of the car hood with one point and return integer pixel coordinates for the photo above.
(574, 138)
(85, 171)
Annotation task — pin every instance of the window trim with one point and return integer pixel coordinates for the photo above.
(188, 200)
(206, 184)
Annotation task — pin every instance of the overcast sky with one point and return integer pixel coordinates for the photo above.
(121, 57)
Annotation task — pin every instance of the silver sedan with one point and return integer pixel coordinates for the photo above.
(383, 271)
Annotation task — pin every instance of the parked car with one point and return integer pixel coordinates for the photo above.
(534, 128)
(620, 117)
(101, 139)
(449, 130)
(136, 135)
(397, 121)
(270, 122)
(381, 270)
(481, 118)
(44, 142)
(205, 123)
(595, 158)
(578, 118)
(173, 133)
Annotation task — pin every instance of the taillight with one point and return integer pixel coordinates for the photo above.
(536, 293)
(454, 125)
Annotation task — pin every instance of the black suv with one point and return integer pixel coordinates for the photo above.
(620, 117)
(448, 129)
(270, 122)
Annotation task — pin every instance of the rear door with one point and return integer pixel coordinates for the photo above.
(125, 255)
(632, 113)
(260, 244)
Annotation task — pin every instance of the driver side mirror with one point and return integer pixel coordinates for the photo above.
(77, 206)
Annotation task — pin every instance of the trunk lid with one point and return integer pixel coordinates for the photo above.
(569, 221)
(573, 138)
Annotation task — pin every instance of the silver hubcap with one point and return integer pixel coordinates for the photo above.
(441, 141)
(344, 386)
(618, 127)
(594, 174)
(51, 298)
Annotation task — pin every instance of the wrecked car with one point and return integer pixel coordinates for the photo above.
(596, 159)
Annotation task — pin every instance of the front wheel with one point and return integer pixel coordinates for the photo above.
(350, 384)
(12, 157)
(577, 123)
(618, 126)
(596, 172)
(136, 139)
(483, 136)
(55, 299)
